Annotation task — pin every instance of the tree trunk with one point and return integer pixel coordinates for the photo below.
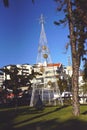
(75, 64)
(75, 88)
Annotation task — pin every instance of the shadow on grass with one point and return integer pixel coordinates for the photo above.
(7, 117)
(55, 125)
(41, 114)
(72, 124)
(84, 113)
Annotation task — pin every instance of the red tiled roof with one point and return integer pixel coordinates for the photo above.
(56, 64)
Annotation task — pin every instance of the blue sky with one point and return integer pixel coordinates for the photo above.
(20, 32)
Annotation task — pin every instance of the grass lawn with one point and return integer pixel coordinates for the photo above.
(51, 118)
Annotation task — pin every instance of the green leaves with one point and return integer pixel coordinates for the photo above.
(63, 21)
(6, 3)
(56, 23)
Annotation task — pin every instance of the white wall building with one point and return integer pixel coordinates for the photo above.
(1, 79)
(68, 70)
(48, 72)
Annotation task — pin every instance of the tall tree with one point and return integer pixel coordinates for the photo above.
(74, 11)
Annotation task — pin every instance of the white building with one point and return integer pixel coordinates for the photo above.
(68, 70)
(48, 72)
(1, 79)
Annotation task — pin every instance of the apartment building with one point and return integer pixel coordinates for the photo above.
(49, 72)
(1, 79)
